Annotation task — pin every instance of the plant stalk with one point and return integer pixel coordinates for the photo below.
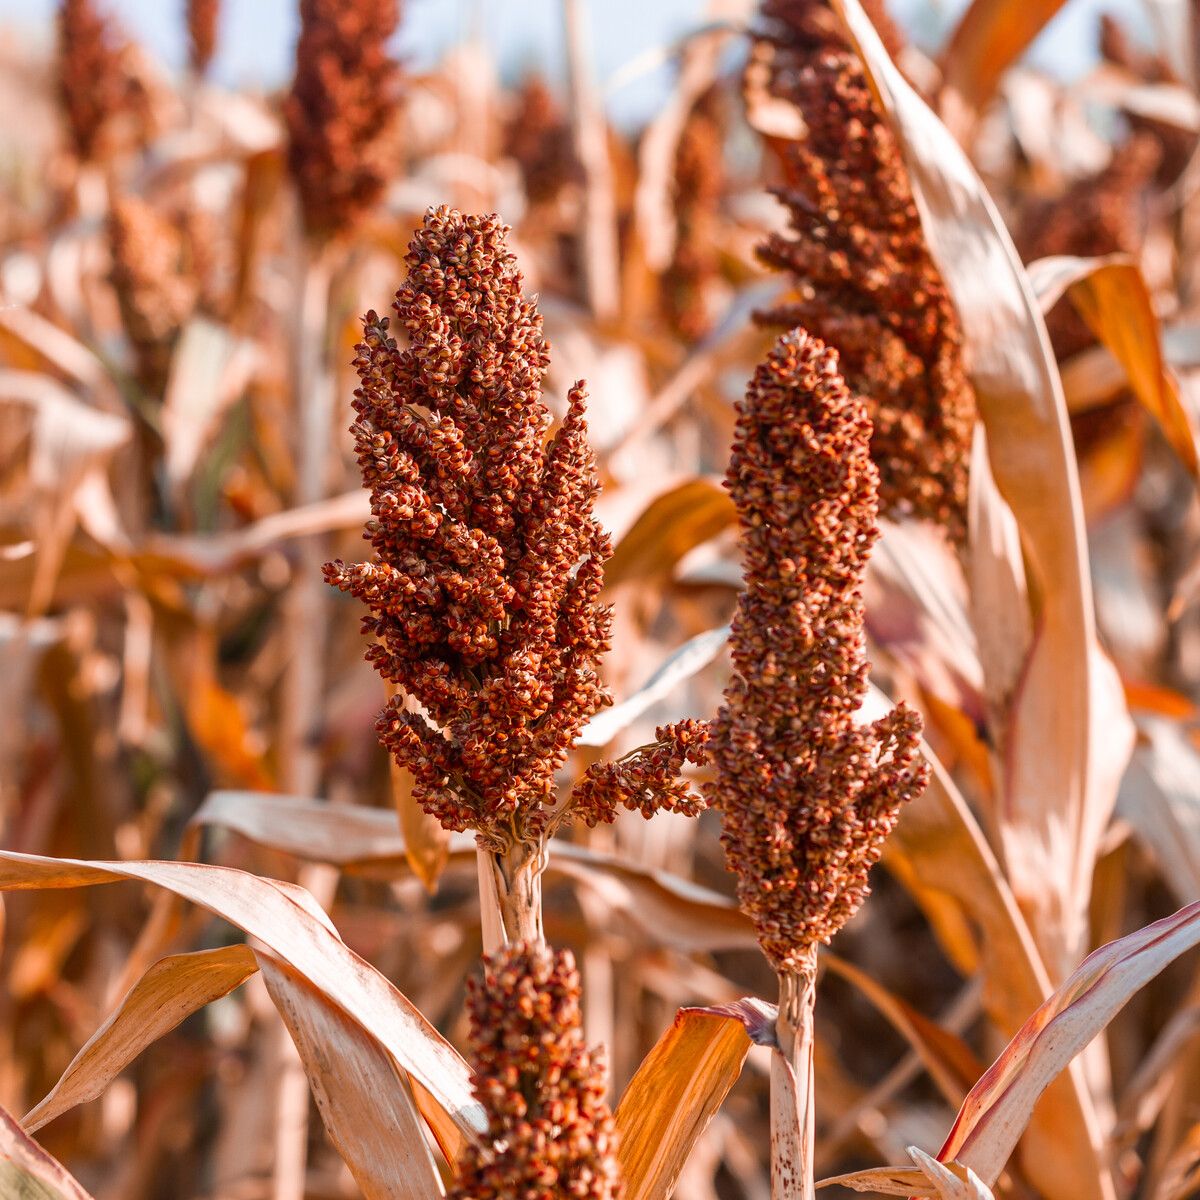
(792, 1116)
(511, 888)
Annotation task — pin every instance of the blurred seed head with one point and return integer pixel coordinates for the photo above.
(92, 80)
(537, 136)
(203, 17)
(155, 288)
(550, 1133)
(807, 796)
(699, 188)
(341, 110)
(1102, 214)
(864, 279)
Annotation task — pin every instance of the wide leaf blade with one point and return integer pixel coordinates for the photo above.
(170, 991)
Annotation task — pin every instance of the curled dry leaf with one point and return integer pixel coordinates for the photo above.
(1112, 297)
(27, 1172)
(364, 841)
(998, 1108)
(367, 1105)
(990, 36)
(678, 1089)
(676, 521)
(171, 990)
(275, 914)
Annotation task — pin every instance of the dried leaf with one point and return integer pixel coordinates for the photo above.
(27, 1172)
(943, 859)
(284, 922)
(669, 910)
(675, 522)
(678, 1089)
(693, 656)
(1066, 730)
(998, 1108)
(990, 36)
(209, 368)
(170, 991)
(366, 1103)
(1112, 297)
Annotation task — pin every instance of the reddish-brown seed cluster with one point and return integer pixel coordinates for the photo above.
(203, 17)
(688, 292)
(341, 110)
(538, 138)
(550, 1133)
(1101, 214)
(488, 564)
(865, 281)
(1176, 144)
(807, 796)
(646, 779)
(92, 81)
(155, 289)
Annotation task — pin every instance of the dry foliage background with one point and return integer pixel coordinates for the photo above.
(179, 685)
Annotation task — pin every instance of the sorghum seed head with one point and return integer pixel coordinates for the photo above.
(341, 109)
(93, 85)
(807, 796)
(865, 281)
(550, 1133)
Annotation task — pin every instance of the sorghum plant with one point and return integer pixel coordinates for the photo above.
(865, 282)
(807, 795)
(92, 83)
(203, 17)
(550, 1132)
(485, 582)
(340, 111)
(155, 290)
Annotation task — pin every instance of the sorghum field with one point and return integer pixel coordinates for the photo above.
(770, 765)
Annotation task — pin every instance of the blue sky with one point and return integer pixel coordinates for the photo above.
(257, 36)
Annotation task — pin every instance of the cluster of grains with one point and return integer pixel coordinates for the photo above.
(807, 796)
(92, 80)
(341, 111)
(1175, 143)
(550, 1133)
(864, 279)
(485, 583)
(537, 137)
(155, 287)
(1098, 215)
(202, 19)
(646, 779)
(699, 186)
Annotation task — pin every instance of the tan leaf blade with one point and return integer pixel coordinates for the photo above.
(277, 916)
(928, 1178)
(694, 655)
(666, 908)
(997, 1109)
(1113, 299)
(990, 36)
(170, 991)
(673, 523)
(366, 1104)
(27, 1172)
(677, 1090)
(941, 856)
